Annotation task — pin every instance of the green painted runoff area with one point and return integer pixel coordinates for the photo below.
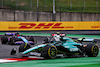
(69, 35)
(60, 62)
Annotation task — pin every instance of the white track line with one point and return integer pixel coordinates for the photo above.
(5, 61)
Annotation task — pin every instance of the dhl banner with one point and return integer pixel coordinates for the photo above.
(32, 26)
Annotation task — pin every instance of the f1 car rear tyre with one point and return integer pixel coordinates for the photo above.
(92, 50)
(23, 47)
(4, 39)
(49, 52)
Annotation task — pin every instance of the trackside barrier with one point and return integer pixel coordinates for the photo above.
(32, 26)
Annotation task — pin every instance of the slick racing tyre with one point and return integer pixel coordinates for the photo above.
(22, 47)
(92, 50)
(4, 39)
(49, 52)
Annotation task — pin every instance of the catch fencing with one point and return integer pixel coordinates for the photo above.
(42, 10)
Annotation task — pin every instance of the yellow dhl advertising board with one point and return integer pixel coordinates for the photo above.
(31, 26)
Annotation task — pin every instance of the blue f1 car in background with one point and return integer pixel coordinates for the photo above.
(15, 38)
(59, 45)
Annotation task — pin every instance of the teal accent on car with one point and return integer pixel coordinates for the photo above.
(24, 39)
(69, 44)
(34, 48)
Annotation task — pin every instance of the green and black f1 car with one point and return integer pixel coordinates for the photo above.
(60, 45)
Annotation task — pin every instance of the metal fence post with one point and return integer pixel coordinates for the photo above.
(58, 4)
(44, 3)
(60, 14)
(1, 3)
(16, 4)
(70, 4)
(81, 14)
(37, 11)
(14, 16)
(96, 4)
(84, 5)
(54, 12)
(31, 4)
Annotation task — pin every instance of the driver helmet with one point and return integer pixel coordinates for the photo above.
(57, 37)
(58, 33)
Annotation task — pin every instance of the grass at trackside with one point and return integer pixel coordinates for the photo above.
(31, 34)
(77, 5)
(89, 65)
(86, 36)
(69, 35)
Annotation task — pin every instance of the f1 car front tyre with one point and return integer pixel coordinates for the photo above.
(23, 47)
(92, 50)
(4, 39)
(49, 52)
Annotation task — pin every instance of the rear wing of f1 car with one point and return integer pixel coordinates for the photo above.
(59, 34)
(86, 40)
